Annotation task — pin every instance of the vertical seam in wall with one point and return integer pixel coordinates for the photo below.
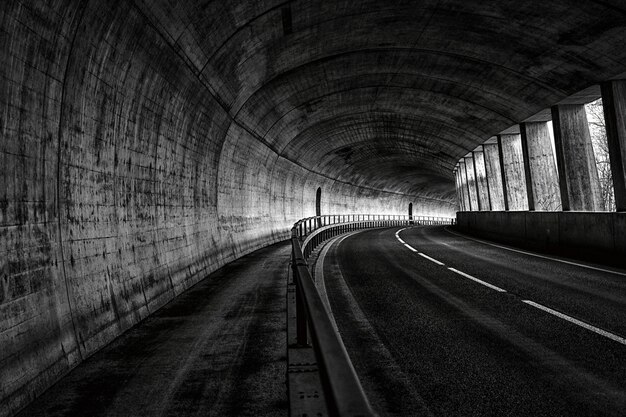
(79, 18)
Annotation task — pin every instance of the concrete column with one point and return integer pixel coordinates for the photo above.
(494, 176)
(614, 104)
(578, 175)
(542, 180)
(513, 168)
(471, 183)
(465, 188)
(502, 176)
(459, 191)
(481, 180)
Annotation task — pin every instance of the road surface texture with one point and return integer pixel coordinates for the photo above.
(439, 324)
(216, 350)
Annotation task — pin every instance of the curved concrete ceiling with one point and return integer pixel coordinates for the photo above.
(389, 95)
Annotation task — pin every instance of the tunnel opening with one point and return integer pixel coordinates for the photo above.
(600, 146)
(411, 212)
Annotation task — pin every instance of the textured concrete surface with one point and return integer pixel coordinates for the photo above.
(513, 169)
(433, 342)
(472, 185)
(540, 167)
(465, 186)
(463, 206)
(494, 175)
(482, 185)
(587, 235)
(578, 175)
(144, 144)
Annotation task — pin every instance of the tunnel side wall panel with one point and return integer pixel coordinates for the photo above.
(596, 236)
(37, 339)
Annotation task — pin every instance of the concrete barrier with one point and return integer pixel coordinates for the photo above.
(594, 236)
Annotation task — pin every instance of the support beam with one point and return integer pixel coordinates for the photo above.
(614, 104)
(481, 180)
(513, 171)
(471, 183)
(464, 186)
(578, 175)
(494, 176)
(542, 180)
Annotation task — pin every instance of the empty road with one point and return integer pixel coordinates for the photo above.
(439, 324)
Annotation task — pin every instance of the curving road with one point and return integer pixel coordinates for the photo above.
(439, 324)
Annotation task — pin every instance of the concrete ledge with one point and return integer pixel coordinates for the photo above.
(598, 237)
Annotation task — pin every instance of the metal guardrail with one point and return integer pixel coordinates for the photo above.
(342, 388)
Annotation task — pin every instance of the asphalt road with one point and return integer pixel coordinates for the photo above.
(502, 333)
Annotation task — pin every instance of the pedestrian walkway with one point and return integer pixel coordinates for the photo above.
(216, 350)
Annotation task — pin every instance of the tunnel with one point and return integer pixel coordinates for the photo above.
(146, 145)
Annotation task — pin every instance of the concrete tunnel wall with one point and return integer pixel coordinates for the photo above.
(124, 182)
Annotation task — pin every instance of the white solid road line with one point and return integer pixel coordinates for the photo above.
(594, 329)
(398, 236)
(486, 284)
(320, 281)
(535, 254)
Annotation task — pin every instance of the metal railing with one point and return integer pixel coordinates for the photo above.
(342, 388)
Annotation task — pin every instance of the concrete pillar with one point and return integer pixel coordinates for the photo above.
(464, 188)
(481, 180)
(494, 176)
(542, 180)
(471, 183)
(614, 104)
(513, 171)
(459, 192)
(502, 176)
(459, 185)
(578, 175)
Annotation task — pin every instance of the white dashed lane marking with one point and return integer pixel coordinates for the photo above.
(412, 249)
(429, 258)
(486, 284)
(548, 310)
(580, 323)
